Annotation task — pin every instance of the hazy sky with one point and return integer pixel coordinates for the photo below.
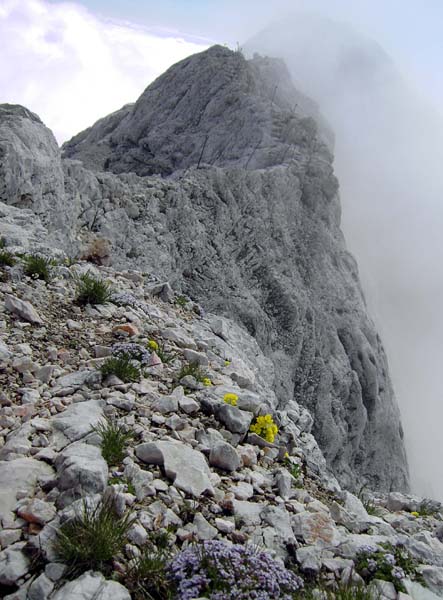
(73, 62)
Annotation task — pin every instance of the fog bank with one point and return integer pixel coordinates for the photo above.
(389, 160)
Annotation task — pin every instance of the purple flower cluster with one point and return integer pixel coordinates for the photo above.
(389, 559)
(231, 572)
(398, 573)
(132, 351)
(127, 299)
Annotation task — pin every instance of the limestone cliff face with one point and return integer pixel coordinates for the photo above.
(219, 179)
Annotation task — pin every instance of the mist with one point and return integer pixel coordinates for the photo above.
(389, 161)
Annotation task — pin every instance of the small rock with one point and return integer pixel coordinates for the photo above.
(127, 329)
(203, 529)
(163, 291)
(188, 405)
(14, 564)
(242, 491)
(195, 357)
(81, 470)
(224, 456)
(90, 586)
(224, 525)
(165, 404)
(23, 309)
(37, 511)
(234, 419)
(186, 467)
(40, 588)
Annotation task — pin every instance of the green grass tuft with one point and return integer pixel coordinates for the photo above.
(148, 578)
(7, 259)
(113, 441)
(353, 591)
(37, 266)
(194, 370)
(92, 540)
(122, 367)
(91, 290)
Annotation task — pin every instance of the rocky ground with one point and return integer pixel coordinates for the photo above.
(191, 467)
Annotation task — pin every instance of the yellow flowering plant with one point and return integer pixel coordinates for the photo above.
(230, 399)
(153, 345)
(414, 513)
(227, 363)
(207, 382)
(265, 427)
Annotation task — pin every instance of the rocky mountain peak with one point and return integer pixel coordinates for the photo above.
(214, 108)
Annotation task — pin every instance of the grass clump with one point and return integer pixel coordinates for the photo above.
(93, 539)
(91, 290)
(37, 267)
(148, 577)
(113, 441)
(122, 367)
(7, 259)
(194, 370)
(353, 591)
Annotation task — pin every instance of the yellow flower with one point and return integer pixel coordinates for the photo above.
(231, 399)
(207, 382)
(414, 513)
(286, 455)
(227, 363)
(265, 427)
(152, 345)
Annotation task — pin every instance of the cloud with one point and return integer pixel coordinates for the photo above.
(72, 67)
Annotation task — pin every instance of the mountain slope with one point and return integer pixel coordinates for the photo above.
(247, 223)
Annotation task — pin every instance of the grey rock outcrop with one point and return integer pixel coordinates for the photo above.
(248, 224)
(31, 172)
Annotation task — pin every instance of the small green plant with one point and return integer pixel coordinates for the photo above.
(127, 482)
(427, 508)
(295, 470)
(352, 591)
(157, 347)
(188, 511)
(148, 576)
(390, 563)
(194, 370)
(91, 290)
(7, 259)
(181, 301)
(37, 266)
(368, 504)
(113, 441)
(122, 367)
(93, 539)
